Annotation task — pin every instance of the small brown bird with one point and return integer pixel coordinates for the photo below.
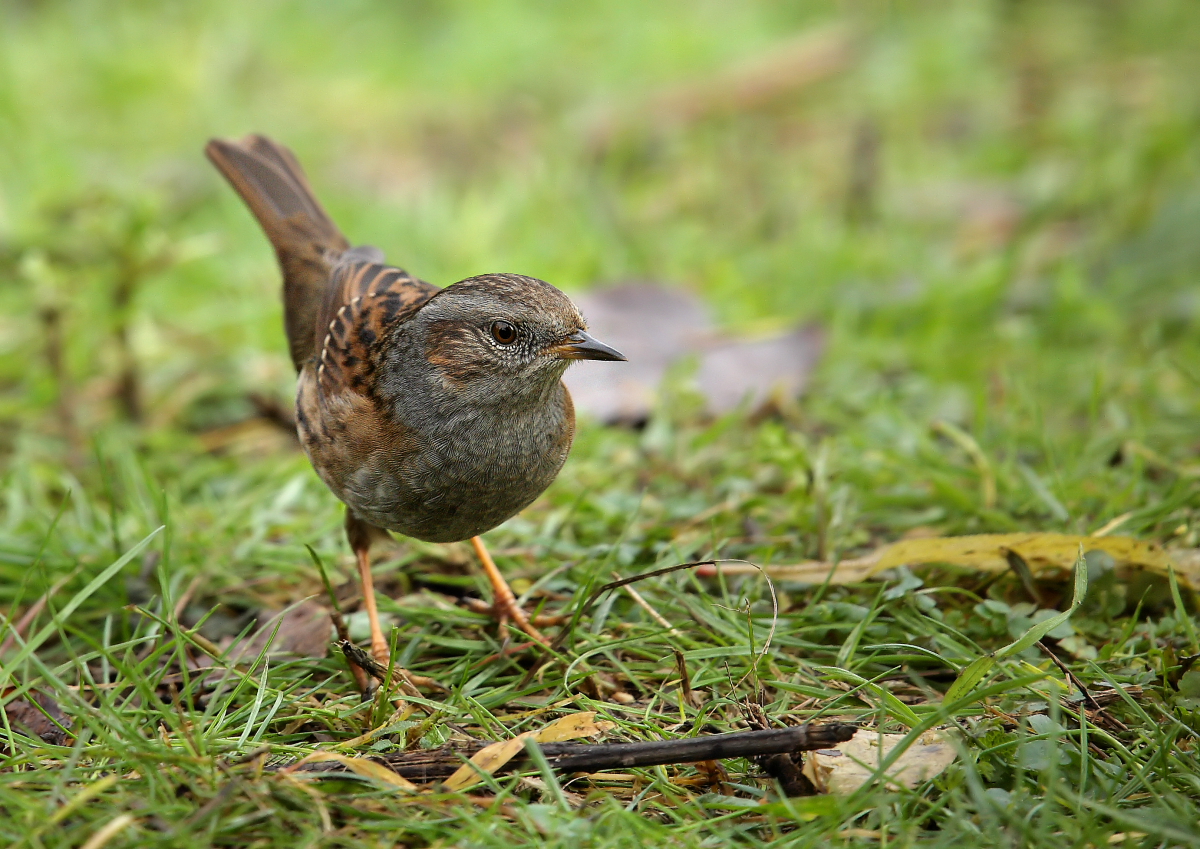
(435, 413)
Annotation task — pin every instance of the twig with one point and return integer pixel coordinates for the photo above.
(1017, 563)
(1088, 698)
(685, 680)
(1066, 670)
(435, 764)
(645, 605)
(379, 672)
(614, 585)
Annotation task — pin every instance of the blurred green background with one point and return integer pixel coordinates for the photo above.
(976, 190)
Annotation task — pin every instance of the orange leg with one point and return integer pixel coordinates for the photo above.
(360, 535)
(380, 649)
(505, 605)
(379, 645)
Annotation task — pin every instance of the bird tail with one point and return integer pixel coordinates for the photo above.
(306, 241)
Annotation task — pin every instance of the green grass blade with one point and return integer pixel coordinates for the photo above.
(79, 598)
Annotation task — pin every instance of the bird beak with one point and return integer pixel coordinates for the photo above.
(580, 346)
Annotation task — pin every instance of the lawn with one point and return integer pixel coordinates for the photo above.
(990, 210)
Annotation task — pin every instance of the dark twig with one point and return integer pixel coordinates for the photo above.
(55, 349)
(409, 682)
(1088, 698)
(435, 764)
(1066, 670)
(685, 680)
(1017, 563)
(271, 409)
(615, 585)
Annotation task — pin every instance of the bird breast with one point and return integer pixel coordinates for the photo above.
(439, 478)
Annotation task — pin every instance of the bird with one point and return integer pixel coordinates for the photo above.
(436, 413)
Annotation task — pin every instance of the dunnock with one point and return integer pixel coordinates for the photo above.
(435, 413)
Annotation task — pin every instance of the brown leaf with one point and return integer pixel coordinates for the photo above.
(27, 717)
(757, 372)
(304, 630)
(657, 327)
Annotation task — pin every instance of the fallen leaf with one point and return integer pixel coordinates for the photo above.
(487, 760)
(491, 758)
(758, 371)
(43, 722)
(358, 766)
(572, 727)
(656, 327)
(1046, 554)
(304, 629)
(852, 764)
(652, 326)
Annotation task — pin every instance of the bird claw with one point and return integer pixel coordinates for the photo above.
(512, 612)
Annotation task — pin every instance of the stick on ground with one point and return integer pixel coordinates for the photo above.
(435, 764)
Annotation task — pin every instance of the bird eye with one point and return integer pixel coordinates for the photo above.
(504, 332)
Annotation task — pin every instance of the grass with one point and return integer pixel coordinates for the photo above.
(1018, 260)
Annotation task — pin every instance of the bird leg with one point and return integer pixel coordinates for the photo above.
(505, 604)
(379, 644)
(360, 534)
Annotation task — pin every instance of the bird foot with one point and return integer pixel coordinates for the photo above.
(505, 606)
(504, 613)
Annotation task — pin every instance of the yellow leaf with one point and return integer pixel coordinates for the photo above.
(487, 760)
(1041, 551)
(360, 766)
(491, 758)
(1045, 553)
(573, 727)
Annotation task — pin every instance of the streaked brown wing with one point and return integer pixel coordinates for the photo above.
(366, 300)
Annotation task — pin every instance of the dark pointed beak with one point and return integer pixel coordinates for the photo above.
(581, 346)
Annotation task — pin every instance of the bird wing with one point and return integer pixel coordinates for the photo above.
(365, 301)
